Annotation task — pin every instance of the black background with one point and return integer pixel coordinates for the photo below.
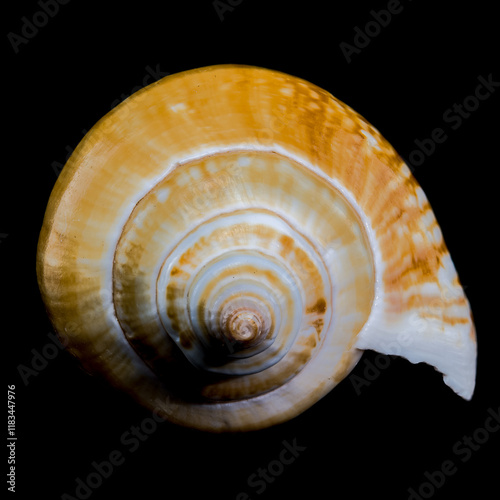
(406, 422)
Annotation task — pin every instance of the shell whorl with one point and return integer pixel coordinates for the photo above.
(224, 243)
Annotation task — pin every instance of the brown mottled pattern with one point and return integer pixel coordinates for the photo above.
(126, 194)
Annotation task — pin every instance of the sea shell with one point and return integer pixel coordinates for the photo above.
(224, 244)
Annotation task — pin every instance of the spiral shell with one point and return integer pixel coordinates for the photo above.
(225, 243)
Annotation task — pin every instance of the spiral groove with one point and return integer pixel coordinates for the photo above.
(224, 252)
(238, 286)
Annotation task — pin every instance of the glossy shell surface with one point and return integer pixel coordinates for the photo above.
(225, 243)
